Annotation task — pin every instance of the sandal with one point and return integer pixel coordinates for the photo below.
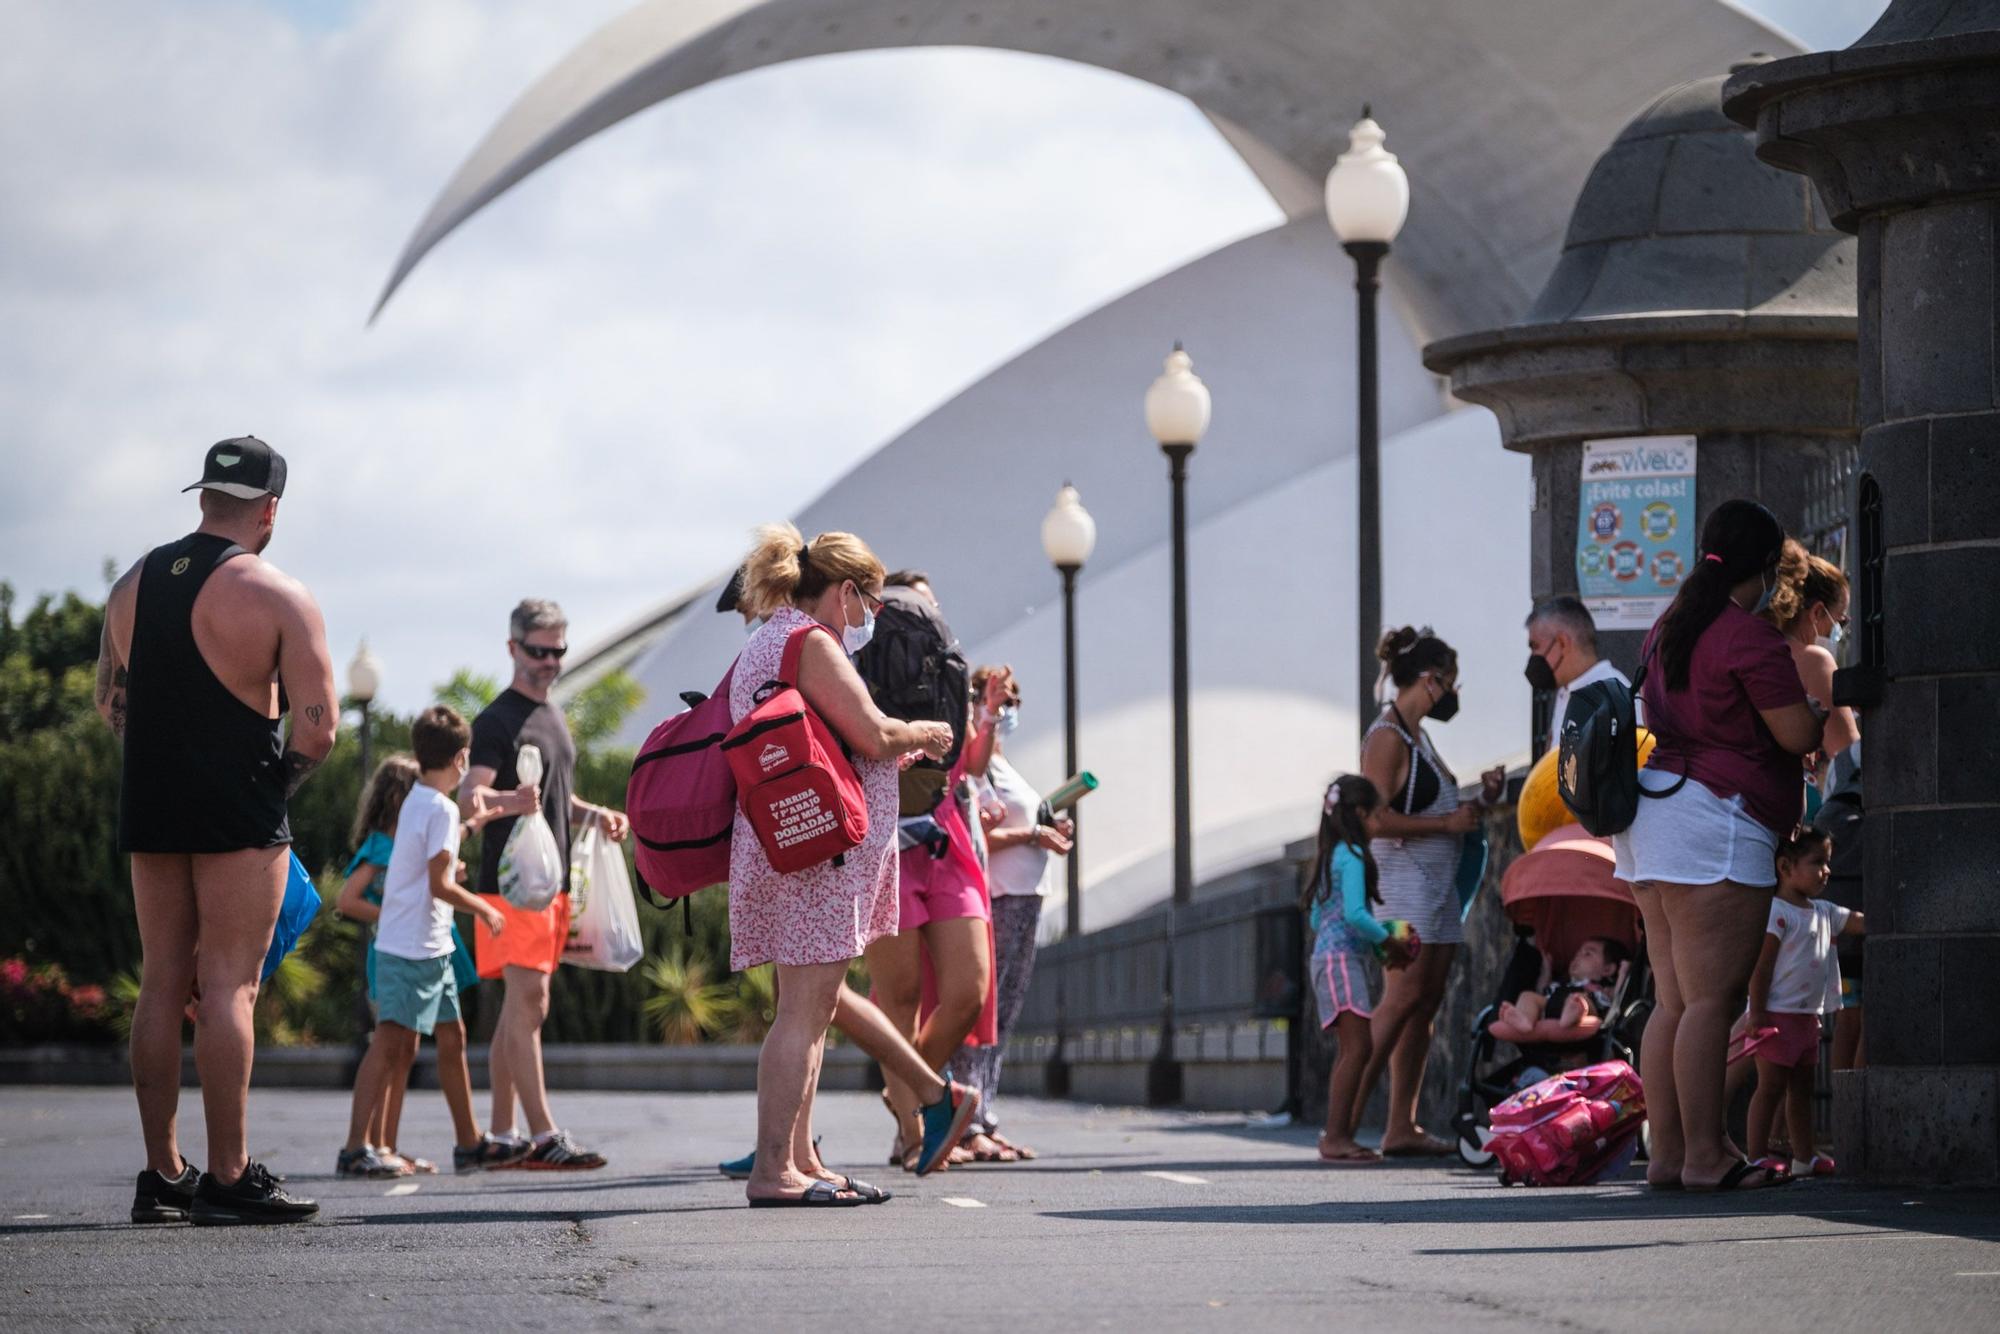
(1020, 1151)
(1427, 1146)
(869, 1194)
(994, 1152)
(819, 1195)
(1737, 1175)
(421, 1166)
(1358, 1156)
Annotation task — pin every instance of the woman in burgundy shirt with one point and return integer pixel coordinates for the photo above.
(1723, 697)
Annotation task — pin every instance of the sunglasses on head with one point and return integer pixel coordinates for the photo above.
(545, 653)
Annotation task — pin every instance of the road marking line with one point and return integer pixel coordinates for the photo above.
(962, 1202)
(1978, 1273)
(22, 1217)
(1179, 1178)
(407, 1188)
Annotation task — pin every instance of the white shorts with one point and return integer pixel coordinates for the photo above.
(1694, 838)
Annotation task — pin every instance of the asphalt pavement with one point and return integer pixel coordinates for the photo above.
(1130, 1220)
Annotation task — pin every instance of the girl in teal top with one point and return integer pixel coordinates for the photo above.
(1341, 895)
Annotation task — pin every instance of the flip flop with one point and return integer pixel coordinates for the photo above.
(422, 1166)
(869, 1194)
(1734, 1178)
(1021, 1151)
(819, 1195)
(1359, 1158)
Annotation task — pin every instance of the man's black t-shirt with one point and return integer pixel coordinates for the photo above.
(498, 733)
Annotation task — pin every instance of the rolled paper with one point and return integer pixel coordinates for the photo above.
(1072, 791)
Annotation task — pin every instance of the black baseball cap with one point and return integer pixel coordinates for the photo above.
(732, 592)
(244, 467)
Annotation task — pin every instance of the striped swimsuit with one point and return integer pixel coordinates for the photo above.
(1418, 876)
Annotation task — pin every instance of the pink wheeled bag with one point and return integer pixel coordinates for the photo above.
(1571, 1129)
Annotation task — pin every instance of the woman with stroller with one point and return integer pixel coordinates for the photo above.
(1724, 700)
(1418, 840)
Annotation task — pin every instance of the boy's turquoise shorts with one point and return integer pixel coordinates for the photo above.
(417, 994)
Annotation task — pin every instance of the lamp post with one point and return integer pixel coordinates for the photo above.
(1367, 199)
(364, 678)
(1177, 412)
(1069, 535)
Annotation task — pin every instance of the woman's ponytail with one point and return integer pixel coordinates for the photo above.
(1740, 541)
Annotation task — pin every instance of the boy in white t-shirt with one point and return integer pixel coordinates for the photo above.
(1797, 979)
(415, 990)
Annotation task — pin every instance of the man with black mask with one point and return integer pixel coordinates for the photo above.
(1562, 655)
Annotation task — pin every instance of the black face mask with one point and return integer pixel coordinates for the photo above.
(1446, 708)
(1540, 675)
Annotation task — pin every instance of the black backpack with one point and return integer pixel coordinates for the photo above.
(1597, 773)
(915, 671)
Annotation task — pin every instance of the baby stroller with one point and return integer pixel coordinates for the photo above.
(1559, 895)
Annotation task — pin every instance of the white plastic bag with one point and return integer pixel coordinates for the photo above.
(604, 916)
(530, 864)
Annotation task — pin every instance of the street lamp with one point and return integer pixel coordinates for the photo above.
(1367, 199)
(364, 678)
(1177, 411)
(1069, 535)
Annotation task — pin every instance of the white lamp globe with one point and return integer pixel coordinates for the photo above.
(1367, 192)
(364, 675)
(1069, 534)
(1177, 404)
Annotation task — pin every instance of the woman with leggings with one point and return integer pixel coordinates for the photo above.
(1018, 867)
(1723, 699)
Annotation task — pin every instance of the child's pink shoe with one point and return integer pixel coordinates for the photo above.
(1820, 1166)
(1775, 1164)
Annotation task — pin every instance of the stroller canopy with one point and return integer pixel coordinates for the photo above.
(1567, 890)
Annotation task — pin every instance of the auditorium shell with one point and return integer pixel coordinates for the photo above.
(1497, 109)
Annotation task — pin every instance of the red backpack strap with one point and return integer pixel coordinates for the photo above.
(788, 666)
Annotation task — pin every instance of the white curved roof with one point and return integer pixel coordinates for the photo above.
(1498, 108)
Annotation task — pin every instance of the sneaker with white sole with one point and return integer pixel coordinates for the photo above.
(557, 1152)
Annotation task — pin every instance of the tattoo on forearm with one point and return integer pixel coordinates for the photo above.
(110, 691)
(315, 712)
(297, 769)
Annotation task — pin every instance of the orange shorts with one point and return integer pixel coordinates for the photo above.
(532, 939)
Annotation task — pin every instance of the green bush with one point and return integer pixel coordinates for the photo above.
(65, 892)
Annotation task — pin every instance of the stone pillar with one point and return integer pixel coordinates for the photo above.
(1699, 293)
(1901, 134)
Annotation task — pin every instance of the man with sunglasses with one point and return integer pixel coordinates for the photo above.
(527, 952)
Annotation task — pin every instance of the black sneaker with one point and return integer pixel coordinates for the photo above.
(255, 1198)
(560, 1153)
(489, 1152)
(163, 1199)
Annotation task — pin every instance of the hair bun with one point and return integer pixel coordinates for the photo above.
(1396, 643)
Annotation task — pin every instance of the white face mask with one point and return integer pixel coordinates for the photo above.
(752, 626)
(1009, 719)
(854, 638)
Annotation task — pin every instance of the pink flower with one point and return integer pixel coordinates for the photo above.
(14, 972)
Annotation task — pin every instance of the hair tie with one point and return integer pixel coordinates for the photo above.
(805, 553)
(1712, 556)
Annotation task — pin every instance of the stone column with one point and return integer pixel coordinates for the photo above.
(1699, 293)
(1901, 134)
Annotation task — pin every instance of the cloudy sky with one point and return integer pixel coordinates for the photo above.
(691, 324)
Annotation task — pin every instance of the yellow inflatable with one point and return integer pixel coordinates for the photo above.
(1541, 811)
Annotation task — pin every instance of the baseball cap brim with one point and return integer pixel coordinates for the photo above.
(237, 489)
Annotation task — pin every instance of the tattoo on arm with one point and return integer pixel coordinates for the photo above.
(297, 769)
(315, 712)
(110, 682)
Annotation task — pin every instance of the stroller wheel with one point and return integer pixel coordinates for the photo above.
(1473, 1152)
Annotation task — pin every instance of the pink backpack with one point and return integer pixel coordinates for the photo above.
(1571, 1129)
(682, 799)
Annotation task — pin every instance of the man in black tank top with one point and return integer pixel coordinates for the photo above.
(204, 647)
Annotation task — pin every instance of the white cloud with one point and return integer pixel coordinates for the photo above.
(692, 323)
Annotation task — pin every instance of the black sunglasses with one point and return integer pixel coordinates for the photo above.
(541, 653)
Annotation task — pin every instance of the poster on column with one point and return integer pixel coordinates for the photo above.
(1635, 527)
